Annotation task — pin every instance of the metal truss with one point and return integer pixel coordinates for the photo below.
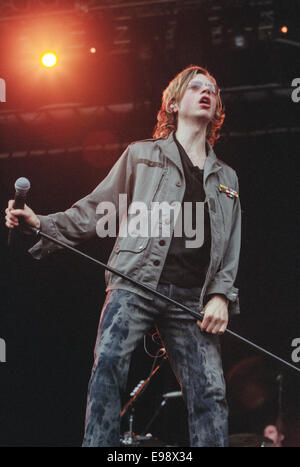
(119, 17)
(250, 93)
(86, 115)
(119, 148)
(12, 10)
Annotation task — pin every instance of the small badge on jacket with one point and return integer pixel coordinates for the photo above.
(229, 191)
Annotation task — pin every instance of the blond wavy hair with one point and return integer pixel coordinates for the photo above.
(167, 120)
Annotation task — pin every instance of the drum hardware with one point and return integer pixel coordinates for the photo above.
(249, 440)
(130, 438)
(165, 398)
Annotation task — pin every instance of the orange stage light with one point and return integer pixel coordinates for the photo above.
(284, 29)
(49, 59)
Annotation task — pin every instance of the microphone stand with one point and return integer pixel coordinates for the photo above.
(196, 315)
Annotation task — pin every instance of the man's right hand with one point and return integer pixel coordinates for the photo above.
(11, 218)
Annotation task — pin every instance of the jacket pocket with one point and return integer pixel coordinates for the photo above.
(131, 244)
(149, 179)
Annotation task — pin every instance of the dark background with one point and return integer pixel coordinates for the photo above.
(50, 309)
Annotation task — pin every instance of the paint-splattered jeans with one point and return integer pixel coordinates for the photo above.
(194, 357)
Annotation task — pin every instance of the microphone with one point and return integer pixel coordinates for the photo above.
(22, 187)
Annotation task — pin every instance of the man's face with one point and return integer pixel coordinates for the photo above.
(199, 100)
(271, 432)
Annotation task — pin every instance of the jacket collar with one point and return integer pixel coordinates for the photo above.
(170, 149)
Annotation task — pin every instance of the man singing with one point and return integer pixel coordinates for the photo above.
(177, 166)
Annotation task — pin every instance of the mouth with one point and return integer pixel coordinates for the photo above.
(205, 101)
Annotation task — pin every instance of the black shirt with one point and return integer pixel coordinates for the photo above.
(187, 267)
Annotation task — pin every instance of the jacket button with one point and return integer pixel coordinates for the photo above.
(162, 242)
(156, 262)
(117, 248)
(178, 183)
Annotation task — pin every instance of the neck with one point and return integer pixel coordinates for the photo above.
(192, 138)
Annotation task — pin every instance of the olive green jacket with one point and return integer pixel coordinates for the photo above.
(148, 171)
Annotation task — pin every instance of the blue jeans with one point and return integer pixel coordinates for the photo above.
(194, 357)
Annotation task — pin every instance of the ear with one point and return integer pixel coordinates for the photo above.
(172, 107)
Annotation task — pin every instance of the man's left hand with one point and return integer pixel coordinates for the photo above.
(215, 312)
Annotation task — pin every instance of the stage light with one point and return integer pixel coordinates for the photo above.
(239, 41)
(92, 50)
(49, 59)
(284, 29)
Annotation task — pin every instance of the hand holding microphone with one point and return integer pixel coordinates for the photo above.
(17, 208)
(26, 213)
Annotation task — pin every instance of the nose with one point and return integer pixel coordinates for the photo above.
(206, 87)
